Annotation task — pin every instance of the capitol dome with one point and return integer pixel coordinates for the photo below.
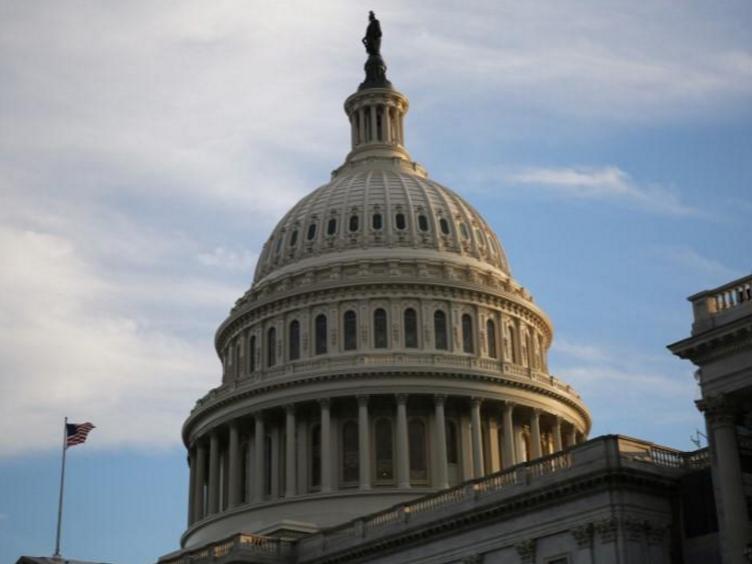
(383, 352)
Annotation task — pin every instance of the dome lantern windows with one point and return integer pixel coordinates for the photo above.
(422, 223)
(354, 223)
(320, 334)
(411, 328)
(444, 224)
(331, 226)
(399, 221)
(376, 221)
(350, 323)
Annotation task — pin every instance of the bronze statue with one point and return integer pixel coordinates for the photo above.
(372, 40)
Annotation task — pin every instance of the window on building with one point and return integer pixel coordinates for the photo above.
(293, 238)
(311, 231)
(416, 432)
(452, 446)
(271, 347)
(320, 333)
(444, 224)
(468, 344)
(399, 221)
(411, 328)
(293, 339)
(331, 226)
(440, 330)
(379, 329)
(278, 246)
(350, 463)
(384, 450)
(252, 354)
(491, 338)
(464, 231)
(350, 322)
(422, 222)
(354, 223)
(376, 221)
(316, 456)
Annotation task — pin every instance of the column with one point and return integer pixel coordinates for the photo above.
(535, 434)
(326, 446)
(727, 478)
(386, 123)
(214, 472)
(509, 457)
(440, 443)
(259, 476)
(353, 131)
(235, 465)
(191, 485)
(290, 465)
(557, 434)
(374, 131)
(494, 461)
(198, 492)
(403, 455)
(400, 127)
(477, 438)
(572, 436)
(364, 444)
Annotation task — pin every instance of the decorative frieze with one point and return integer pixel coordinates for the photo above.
(607, 529)
(526, 551)
(583, 535)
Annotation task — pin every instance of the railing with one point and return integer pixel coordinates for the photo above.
(665, 457)
(721, 299)
(242, 542)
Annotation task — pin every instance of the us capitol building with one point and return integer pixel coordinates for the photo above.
(385, 397)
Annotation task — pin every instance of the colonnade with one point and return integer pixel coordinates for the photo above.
(364, 442)
(377, 123)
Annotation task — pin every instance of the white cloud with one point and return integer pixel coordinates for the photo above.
(604, 183)
(227, 258)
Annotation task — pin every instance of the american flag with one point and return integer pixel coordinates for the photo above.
(75, 433)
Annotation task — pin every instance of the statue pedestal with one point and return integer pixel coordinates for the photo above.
(375, 73)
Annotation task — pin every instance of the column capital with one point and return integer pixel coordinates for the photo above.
(259, 415)
(401, 399)
(508, 405)
(475, 400)
(718, 409)
(439, 398)
(290, 408)
(537, 411)
(363, 399)
(324, 403)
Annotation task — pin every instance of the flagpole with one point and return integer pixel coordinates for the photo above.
(62, 483)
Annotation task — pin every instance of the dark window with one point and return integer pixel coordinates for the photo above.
(353, 223)
(278, 246)
(311, 231)
(294, 238)
(244, 457)
(252, 354)
(491, 338)
(316, 456)
(331, 227)
(351, 331)
(480, 237)
(350, 466)
(271, 347)
(267, 465)
(400, 220)
(376, 221)
(465, 232)
(379, 329)
(422, 223)
(320, 334)
(416, 431)
(440, 330)
(294, 340)
(384, 451)
(444, 224)
(411, 328)
(451, 443)
(467, 334)
(513, 342)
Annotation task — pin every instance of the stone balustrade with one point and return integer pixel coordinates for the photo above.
(734, 298)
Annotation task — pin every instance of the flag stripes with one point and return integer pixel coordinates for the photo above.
(76, 433)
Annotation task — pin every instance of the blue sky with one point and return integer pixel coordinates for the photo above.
(146, 152)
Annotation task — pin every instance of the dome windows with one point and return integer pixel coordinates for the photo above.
(331, 226)
(444, 225)
(440, 330)
(491, 337)
(354, 223)
(464, 231)
(271, 347)
(422, 223)
(293, 339)
(399, 221)
(379, 329)
(311, 231)
(468, 341)
(320, 334)
(350, 322)
(411, 328)
(376, 221)
(293, 238)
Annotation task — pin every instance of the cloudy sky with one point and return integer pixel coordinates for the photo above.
(146, 150)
